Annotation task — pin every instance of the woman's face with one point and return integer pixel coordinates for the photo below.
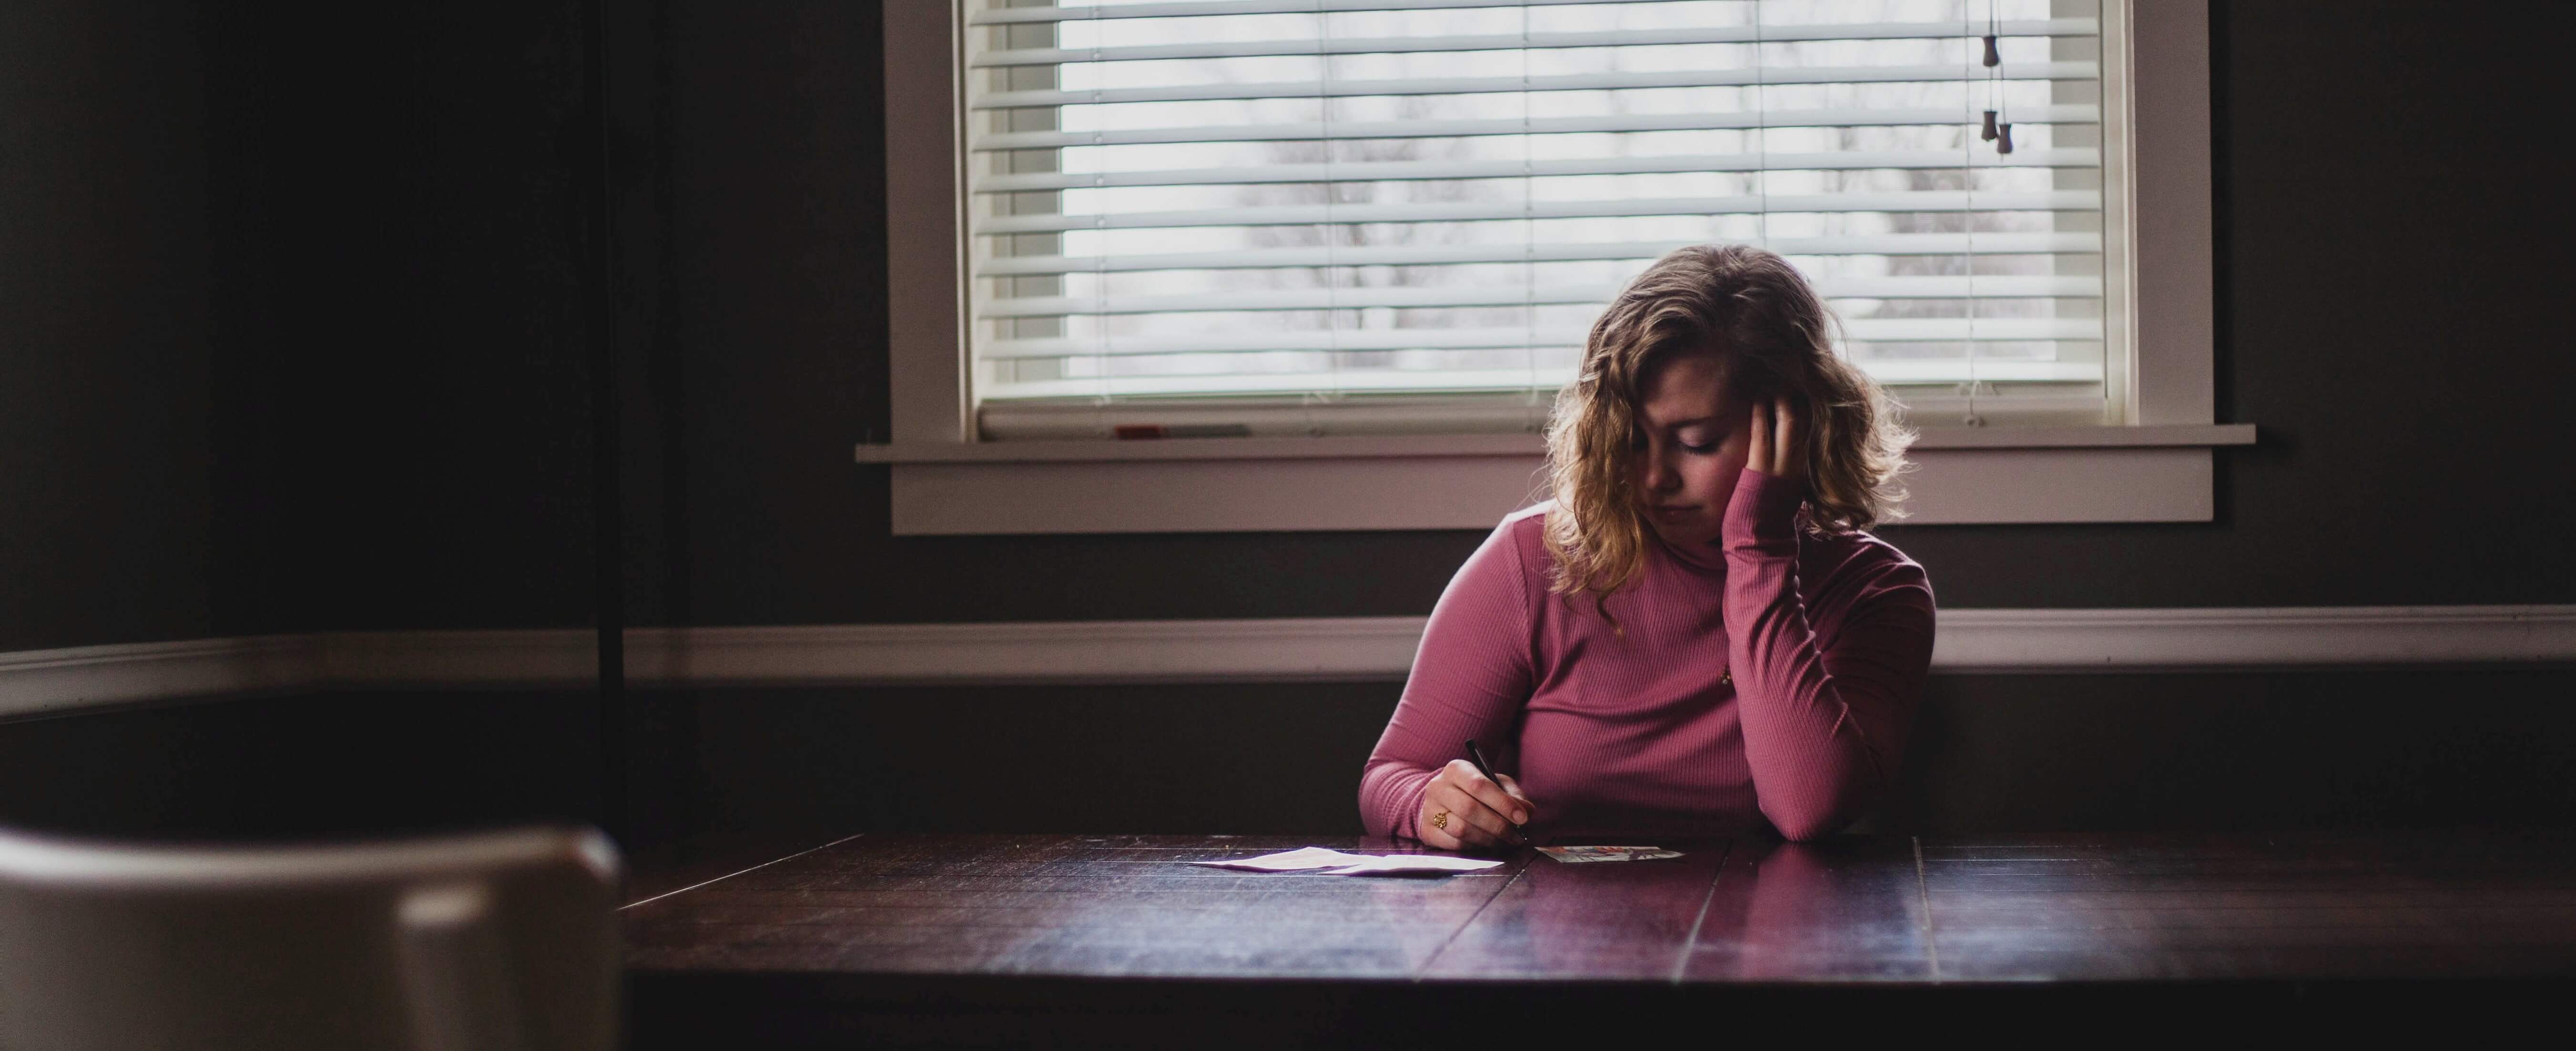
(1689, 452)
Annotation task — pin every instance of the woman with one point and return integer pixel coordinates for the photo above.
(1695, 636)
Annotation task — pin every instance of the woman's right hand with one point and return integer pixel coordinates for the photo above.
(1479, 813)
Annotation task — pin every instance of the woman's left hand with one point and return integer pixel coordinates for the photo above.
(1774, 448)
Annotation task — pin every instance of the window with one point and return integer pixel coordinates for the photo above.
(1359, 241)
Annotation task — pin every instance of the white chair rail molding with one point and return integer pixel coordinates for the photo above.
(57, 681)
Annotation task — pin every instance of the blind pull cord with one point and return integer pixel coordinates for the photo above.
(1993, 60)
(1998, 129)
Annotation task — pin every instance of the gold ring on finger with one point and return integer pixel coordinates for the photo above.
(1440, 820)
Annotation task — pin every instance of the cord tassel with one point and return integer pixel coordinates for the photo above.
(1993, 57)
(2004, 140)
(1989, 133)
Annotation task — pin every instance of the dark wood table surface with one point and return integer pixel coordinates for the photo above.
(975, 938)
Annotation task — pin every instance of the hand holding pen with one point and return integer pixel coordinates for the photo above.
(1468, 805)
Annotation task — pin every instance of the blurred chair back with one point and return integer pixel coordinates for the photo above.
(500, 941)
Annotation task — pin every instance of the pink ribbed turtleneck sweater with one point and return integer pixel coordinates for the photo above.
(1825, 640)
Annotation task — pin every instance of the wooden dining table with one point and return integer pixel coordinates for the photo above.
(1119, 940)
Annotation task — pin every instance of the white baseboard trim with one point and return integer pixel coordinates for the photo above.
(1282, 650)
(37, 682)
(2224, 639)
(1286, 650)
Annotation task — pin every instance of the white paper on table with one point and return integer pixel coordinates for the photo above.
(1305, 859)
(1298, 860)
(1407, 864)
(1597, 853)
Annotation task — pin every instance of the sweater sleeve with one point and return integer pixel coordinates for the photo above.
(1825, 712)
(1471, 676)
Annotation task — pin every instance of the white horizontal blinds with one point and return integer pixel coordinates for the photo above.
(1263, 216)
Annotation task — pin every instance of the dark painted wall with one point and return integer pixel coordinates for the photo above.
(450, 349)
(1991, 753)
(293, 338)
(105, 511)
(313, 766)
(299, 345)
(296, 340)
(2414, 748)
(293, 335)
(427, 186)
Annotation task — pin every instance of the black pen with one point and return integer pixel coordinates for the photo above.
(1478, 757)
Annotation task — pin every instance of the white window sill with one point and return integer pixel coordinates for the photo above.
(1961, 476)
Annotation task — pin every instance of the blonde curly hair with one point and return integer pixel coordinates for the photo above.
(1768, 331)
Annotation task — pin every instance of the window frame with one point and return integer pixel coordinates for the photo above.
(2156, 467)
